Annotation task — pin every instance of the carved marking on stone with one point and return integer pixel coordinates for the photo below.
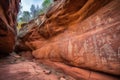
(100, 46)
(82, 51)
(91, 25)
(70, 47)
(104, 61)
(76, 50)
(98, 38)
(85, 46)
(98, 20)
(95, 44)
(108, 52)
(109, 40)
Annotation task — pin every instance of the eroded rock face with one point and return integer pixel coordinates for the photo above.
(8, 15)
(82, 33)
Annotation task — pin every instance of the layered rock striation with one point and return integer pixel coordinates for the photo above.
(81, 33)
(8, 15)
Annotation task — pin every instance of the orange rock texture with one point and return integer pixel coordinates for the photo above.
(8, 15)
(81, 33)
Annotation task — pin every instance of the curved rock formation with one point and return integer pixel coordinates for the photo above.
(8, 15)
(81, 33)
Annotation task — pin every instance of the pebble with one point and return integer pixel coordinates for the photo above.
(47, 72)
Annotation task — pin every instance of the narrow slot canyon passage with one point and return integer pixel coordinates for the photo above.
(59, 40)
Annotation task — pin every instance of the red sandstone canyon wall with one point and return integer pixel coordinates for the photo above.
(8, 15)
(81, 33)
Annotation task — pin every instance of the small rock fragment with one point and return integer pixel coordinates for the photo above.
(14, 55)
(47, 72)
